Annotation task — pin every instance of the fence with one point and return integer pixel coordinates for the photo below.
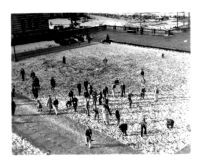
(138, 30)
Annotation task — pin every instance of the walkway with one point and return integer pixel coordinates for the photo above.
(59, 134)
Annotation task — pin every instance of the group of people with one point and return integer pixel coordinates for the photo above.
(122, 87)
(99, 101)
(143, 89)
(88, 93)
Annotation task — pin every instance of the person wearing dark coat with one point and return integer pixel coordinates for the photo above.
(105, 91)
(88, 108)
(170, 123)
(39, 106)
(64, 60)
(130, 100)
(79, 88)
(142, 74)
(13, 106)
(36, 83)
(106, 105)
(32, 74)
(94, 97)
(117, 115)
(142, 94)
(96, 113)
(86, 95)
(123, 127)
(50, 104)
(71, 95)
(35, 92)
(13, 92)
(100, 98)
(143, 127)
(105, 60)
(113, 90)
(123, 90)
(88, 136)
(116, 82)
(55, 105)
(86, 85)
(53, 83)
(75, 103)
(68, 103)
(106, 100)
(90, 89)
(22, 73)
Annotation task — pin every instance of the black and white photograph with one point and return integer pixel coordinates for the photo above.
(100, 83)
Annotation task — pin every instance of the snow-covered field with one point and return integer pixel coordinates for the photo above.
(23, 147)
(170, 74)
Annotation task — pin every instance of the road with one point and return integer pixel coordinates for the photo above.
(59, 134)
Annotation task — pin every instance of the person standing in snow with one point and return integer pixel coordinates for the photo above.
(142, 74)
(79, 88)
(88, 136)
(94, 97)
(96, 113)
(156, 94)
(100, 98)
(87, 96)
(90, 89)
(88, 108)
(39, 106)
(85, 83)
(113, 90)
(13, 106)
(170, 123)
(106, 105)
(22, 73)
(130, 100)
(13, 92)
(142, 94)
(35, 92)
(143, 127)
(117, 115)
(53, 83)
(55, 105)
(123, 87)
(71, 95)
(105, 115)
(32, 74)
(105, 91)
(64, 60)
(123, 127)
(75, 103)
(36, 82)
(50, 104)
(105, 60)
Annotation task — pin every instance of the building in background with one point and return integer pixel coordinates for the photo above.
(29, 27)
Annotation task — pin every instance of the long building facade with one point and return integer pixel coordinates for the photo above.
(29, 27)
